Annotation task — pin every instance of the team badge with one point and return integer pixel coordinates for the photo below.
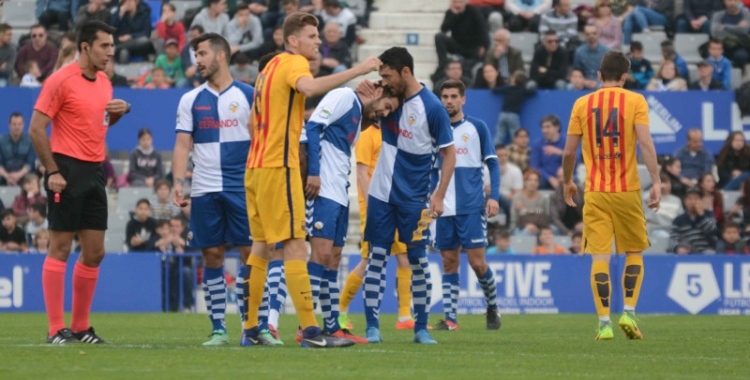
(465, 137)
(412, 119)
(233, 106)
(318, 226)
(190, 235)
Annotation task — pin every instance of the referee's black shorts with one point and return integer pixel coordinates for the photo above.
(83, 202)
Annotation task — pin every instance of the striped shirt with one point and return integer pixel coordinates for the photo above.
(566, 26)
(697, 233)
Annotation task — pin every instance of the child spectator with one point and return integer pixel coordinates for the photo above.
(157, 79)
(641, 71)
(722, 65)
(141, 228)
(670, 207)
(145, 161)
(576, 243)
(168, 28)
(546, 244)
(31, 76)
(177, 227)
(29, 195)
(502, 244)
(577, 80)
(514, 95)
(171, 63)
(37, 221)
(530, 211)
(162, 208)
(162, 240)
(730, 242)
(12, 236)
(40, 242)
(242, 70)
(520, 152)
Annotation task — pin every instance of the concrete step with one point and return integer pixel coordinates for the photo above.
(401, 21)
(399, 6)
(421, 54)
(399, 37)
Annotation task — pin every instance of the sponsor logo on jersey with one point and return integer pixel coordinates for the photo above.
(462, 150)
(209, 122)
(202, 108)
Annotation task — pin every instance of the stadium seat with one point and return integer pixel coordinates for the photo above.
(658, 246)
(730, 198)
(523, 244)
(8, 194)
(128, 196)
(651, 45)
(182, 6)
(692, 73)
(524, 42)
(687, 46)
(114, 241)
(736, 78)
(120, 166)
(19, 14)
(118, 221)
(644, 176)
(563, 241)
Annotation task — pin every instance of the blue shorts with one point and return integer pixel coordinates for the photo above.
(466, 231)
(218, 218)
(327, 219)
(383, 219)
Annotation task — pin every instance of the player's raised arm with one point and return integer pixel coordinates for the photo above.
(311, 87)
(648, 151)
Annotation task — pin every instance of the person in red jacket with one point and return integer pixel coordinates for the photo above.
(168, 28)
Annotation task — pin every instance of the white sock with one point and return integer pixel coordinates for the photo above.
(273, 318)
(602, 320)
(629, 308)
(404, 319)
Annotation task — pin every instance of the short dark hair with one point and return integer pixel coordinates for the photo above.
(294, 23)
(453, 83)
(179, 219)
(70, 35)
(520, 130)
(551, 119)
(453, 62)
(170, 6)
(162, 222)
(503, 234)
(397, 58)
(555, 3)
(39, 207)
(242, 59)
(263, 61)
(550, 32)
(520, 78)
(387, 93)
(143, 201)
(285, 2)
(216, 41)
(89, 32)
(636, 46)
(144, 131)
(614, 65)
(199, 28)
(716, 41)
(580, 70)
(577, 234)
(5, 27)
(7, 212)
(162, 182)
(332, 3)
(500, 146)
(729, 225)
(14, 114)
(211, 2)
(37, 26)
(241, 7)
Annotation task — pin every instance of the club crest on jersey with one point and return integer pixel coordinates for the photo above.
(324, 113)
(233, 106)
(465, 137)
(412, 119)
(190, 235)
(318, 226)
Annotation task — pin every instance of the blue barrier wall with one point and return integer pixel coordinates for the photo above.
(672, 114)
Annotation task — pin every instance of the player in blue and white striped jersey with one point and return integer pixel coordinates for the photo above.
(332, 132)
(463, 225)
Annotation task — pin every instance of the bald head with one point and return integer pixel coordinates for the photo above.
(332, 33)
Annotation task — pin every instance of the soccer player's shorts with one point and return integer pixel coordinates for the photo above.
(398, 248)
(385, 219)
(275, 204)
(83, 202)
(614, 215)
(327, 219)
(218, 218)
(466, 231)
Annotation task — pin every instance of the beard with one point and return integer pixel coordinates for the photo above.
(452, 113)
(211, 70)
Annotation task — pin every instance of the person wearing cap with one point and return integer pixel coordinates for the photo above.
(170, 61)
(695, 230)
(706, 80)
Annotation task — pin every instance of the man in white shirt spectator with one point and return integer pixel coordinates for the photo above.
(213, 18)
(245, 32)
(344, 17)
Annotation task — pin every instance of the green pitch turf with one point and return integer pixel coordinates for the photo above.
(168, 346)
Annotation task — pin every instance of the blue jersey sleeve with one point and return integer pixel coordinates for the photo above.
(489, 156)
(331, 108)
(440, 126)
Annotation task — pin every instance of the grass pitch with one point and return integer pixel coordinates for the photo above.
(168, 346)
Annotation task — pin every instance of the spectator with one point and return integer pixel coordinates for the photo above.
(530, 211)
(670, 207)
(672, 168)
(162, 207)
(110, 177)
(95, 10)
(621, 8)
(157, 80)
(69, 38)
(133, 22)
(589, 56)
(453, 71)
(171, 63)
(695, 230)
(502, 244)
(564, 218)
(167, 28)
(609, 25)
(68, 54)
(334, 12)
(12, 238)
(733, 161)
(245, 32)
(514, 96)
(17, 155)
(193, 77)
(641, 71)
(712, 198)
(40, 242)
(275, 44)
(576, 243)
(732, 27)
(506, 58)
(31, 75)
(546, 153)
(730, 242)
(577, 80)
(38, 50)
(7, 54)
(30, 194)
(740, 212)
(650, 12)
(512, 176)
(493, 12)
(141, 228)
(213, 18)
(37, 213)
(669, 53)
(722, 67)
(694, 157)
(706, 80)
(666, 79)
(546, 244)
(523, 15)
(116, 79)
(242, 70)
(145, 162)
(335, 54)
(60, 12)
(489, 77)
(177, 227)
(161, 241)
(468, 34)
(697, 16)
(549, 67)
(311, 102)
(520, 151)
(562, 21)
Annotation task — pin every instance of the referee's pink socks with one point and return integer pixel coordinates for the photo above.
(84, 285)
(53, 283)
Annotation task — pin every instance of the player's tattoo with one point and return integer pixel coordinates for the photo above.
(179, 181)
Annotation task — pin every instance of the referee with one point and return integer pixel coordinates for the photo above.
(77, 99)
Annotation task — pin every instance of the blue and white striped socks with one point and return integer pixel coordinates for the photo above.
(215, 294)
(421, 285)
(329, 300)
(276, 284)
(263, 310)
(315, 271)
(489, 287)
(451, 290)
(375, 283)
(240, 288)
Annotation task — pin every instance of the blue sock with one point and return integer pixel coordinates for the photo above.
(450, 295)
(240, 288)
(329, 300)
(315, 271)
(375, 282)
(263, 310)
(276, 284)
(421, 285)
(489, 287)
(216, 296)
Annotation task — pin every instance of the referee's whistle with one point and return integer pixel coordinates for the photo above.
(57, 197)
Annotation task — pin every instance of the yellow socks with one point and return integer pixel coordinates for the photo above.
(257, 282)
(298, 284)
(601, 287)
(632, 278)
(403, 286)
(351, 287)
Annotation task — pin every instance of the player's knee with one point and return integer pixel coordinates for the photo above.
(450, 264)
(213, 257)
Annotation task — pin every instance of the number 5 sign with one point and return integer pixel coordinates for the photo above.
(694, 286)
